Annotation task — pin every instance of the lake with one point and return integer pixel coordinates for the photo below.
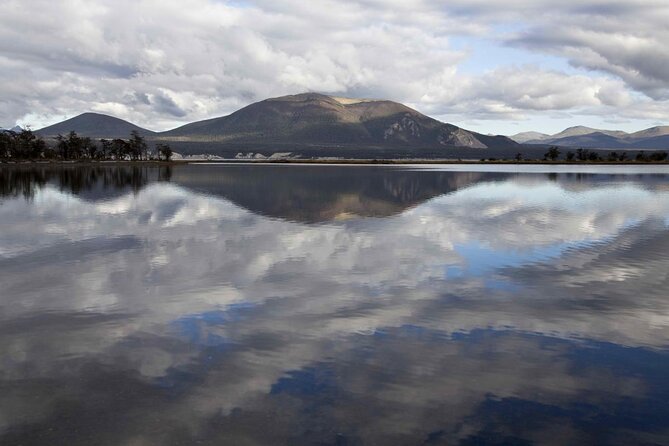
(334, 305)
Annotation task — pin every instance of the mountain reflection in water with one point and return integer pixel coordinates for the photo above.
(238, 304)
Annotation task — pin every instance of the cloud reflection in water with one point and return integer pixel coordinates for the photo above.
(335, 305)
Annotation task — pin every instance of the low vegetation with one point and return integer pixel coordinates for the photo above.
(585, 155)
(26, 146)
(554, 154)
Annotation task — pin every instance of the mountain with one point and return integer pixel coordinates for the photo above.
(594, 140)
(654, 143)
(651, 132)
(524, 137)
(94, 125)
(655, 138)
(580, 130)
(317, 193)
(312, 119)
(571, 136)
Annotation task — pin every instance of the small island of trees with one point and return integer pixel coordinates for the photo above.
(26, 146)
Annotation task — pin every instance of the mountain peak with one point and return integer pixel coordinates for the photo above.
(317, 119)
(15, 129)
(94, 125)
(660, 130)
(300, 97)
(579, 128)
(524, 137)
(335, 100)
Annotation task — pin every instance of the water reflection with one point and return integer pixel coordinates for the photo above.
(89, 181)
(326, 305)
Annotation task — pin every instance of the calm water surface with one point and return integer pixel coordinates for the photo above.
(272, 305)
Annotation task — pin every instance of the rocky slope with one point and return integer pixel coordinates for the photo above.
(316, 119)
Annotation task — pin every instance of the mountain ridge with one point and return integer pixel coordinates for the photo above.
(310, 119)
(654, 138)
(315, 118)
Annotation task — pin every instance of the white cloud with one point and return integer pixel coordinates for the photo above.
(161, 63)
(314, 291)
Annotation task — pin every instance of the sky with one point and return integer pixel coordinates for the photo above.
(493, 66)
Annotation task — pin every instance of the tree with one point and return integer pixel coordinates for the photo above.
(72, 146)
(552, 154)
(89, 148)
(21, 145)
(120, 149)
(106, 147)
(658, 156)
(615, 156)
(138, 146)
(5, 145)
(38, 148)
(24, 144)
(164, 151)
(570, 156)
(519, 156)
(585, 154)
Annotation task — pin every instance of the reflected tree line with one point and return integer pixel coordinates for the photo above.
(25, 145)
(26, 182)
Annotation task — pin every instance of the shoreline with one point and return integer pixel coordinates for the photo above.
(330, 162)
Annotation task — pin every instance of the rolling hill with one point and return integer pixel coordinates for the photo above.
(94, 125)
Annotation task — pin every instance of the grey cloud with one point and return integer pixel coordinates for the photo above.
(165, 104)
(194, 254)
(624, 40)
(202, 58)
(142, 97)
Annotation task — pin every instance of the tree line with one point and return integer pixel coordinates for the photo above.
(584, 155)
(25, 145)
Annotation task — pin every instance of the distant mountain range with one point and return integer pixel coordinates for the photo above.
(653, 138)
(16, 129)
(321, 125)
(303, 120)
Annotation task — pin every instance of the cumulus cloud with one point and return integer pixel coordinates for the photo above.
(220, 303)
(622, 39)
(161, 64)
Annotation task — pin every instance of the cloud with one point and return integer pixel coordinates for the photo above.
(197, 59)
(514, 92)
(624, 40)
(223, 309)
